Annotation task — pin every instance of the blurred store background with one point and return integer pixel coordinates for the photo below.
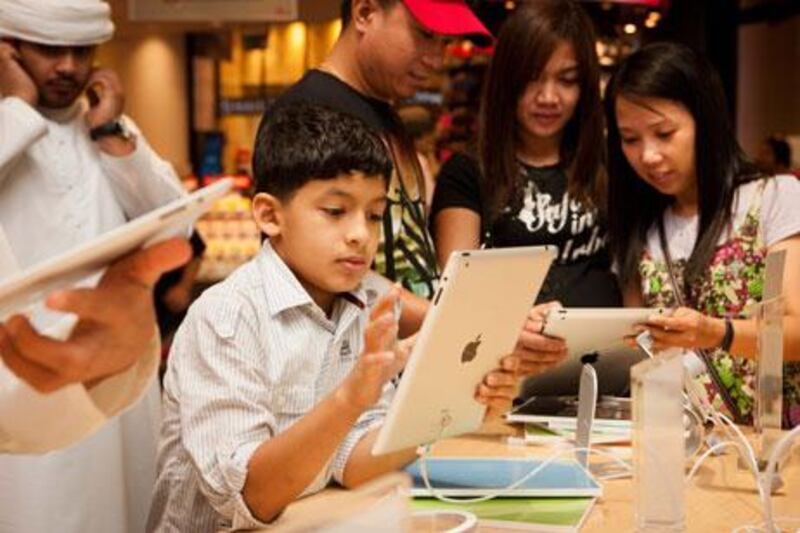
(200, 73)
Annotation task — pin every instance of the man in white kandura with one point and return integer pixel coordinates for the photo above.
(71, 168)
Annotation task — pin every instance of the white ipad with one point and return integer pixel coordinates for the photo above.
(475, 319)
(589, 330)
(29, 286)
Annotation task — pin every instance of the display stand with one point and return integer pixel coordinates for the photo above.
(769, 380)
(767, 415)
(658, 444)
(587, 404)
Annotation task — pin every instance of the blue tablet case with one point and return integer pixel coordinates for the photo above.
(470, 477)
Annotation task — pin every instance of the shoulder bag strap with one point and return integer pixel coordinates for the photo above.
(704, 354)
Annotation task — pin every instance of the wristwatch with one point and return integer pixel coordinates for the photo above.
(727, 338)
(115, 127)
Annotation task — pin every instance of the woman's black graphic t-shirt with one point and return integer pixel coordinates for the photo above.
(546, 214)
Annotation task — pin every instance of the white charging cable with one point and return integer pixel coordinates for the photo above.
(743, 446)
(700, 460)
(505, 491)
(694, 366)
(706, 413)
(746, 452)
(763, 480)
(780, 523)
(769, 523)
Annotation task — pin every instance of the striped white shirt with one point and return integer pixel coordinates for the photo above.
(254, 354)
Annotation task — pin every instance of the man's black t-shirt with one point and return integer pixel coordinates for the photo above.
(407, 255)
(546, 214)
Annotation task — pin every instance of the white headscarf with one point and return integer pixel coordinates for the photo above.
(56, 22)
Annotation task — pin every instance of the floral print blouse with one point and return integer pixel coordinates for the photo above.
(734, 279)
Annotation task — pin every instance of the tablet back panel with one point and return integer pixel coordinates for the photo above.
(588, 330)
(24, 288)
(475, 319)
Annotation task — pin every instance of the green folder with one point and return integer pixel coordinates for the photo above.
(530, 514)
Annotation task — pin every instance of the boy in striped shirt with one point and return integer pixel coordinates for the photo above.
(281, 374)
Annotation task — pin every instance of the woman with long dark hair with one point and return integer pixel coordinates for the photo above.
(692, 221)
(538, 179)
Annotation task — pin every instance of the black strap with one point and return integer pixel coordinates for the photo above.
(711, 369)
(399, 149)
(388, 245)
(113, 127)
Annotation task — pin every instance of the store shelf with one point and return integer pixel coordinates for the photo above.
(231, 236)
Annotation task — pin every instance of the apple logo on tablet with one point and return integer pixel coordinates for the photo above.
(471, 350)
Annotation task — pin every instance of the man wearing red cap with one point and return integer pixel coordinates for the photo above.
(387, 51)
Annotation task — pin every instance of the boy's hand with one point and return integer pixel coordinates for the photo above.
(381, 361)
(538, 352)
(499, 388)
(404, 348)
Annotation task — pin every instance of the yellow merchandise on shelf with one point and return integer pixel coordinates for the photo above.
(231, 237)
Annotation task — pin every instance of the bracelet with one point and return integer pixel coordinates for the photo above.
(727, 338)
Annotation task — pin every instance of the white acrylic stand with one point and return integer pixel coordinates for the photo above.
(769, 381)
(587, 404)
(658, 444)
(769, 378)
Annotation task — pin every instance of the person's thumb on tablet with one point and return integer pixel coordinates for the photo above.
(147, 265)
(142, 268)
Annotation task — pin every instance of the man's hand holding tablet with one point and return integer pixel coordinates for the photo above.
(116, 324)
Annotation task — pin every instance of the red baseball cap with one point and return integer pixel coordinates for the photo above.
(449, 17)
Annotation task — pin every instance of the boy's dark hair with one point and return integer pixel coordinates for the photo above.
(298, 143)
(347, 9)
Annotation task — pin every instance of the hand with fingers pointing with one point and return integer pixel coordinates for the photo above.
(380, 360)
(383, 359)
(116, 324)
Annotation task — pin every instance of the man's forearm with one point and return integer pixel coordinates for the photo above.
(282, 467)
(140, 179)
(116, 146)
(35, 423)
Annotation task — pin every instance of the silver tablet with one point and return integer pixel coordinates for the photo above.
(475, 319)
(588, 330)
(21, 290)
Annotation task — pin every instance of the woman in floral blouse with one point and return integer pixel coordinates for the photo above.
(681, 193)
